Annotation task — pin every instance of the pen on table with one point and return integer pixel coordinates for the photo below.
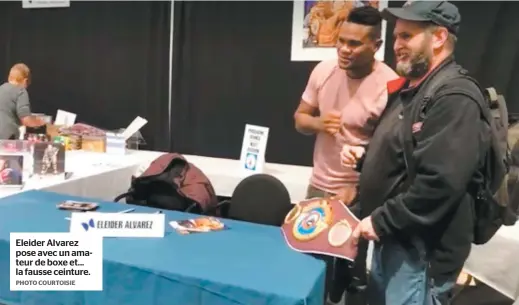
(121, 212)
(126, 211)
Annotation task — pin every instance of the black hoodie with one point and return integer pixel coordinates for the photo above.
(436, 208)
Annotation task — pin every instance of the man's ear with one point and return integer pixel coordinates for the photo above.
(378, 44)
(440, 36)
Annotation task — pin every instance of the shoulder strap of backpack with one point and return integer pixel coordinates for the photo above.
(425, 94)
(497, 105)
(428, 91)
(499, 112)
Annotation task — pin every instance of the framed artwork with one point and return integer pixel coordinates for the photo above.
(49, 159)
(316, 25)
(11, 170)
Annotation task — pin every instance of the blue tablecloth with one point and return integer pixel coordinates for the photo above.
(248, 264)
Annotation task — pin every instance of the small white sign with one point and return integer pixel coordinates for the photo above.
(45, 3)
(56, 262)
(118, 224)
(253, 149)
(134, 126)
(65, 118)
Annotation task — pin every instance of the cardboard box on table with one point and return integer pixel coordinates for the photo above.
(79, 137)
(94, 143)
(89, 138)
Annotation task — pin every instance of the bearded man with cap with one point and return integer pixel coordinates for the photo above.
(421, 222)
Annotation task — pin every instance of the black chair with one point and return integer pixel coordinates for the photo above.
(259, 198)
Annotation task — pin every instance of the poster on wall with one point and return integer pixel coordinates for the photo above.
(316, 25)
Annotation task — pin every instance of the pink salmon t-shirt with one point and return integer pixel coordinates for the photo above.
(360, 101)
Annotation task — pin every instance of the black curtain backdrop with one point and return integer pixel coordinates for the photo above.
(106, 61)
(232, 66)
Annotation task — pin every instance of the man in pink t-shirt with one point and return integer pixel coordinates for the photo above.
(341, 105)
(343, 101)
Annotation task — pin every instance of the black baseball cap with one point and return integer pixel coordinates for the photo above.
(442, 13)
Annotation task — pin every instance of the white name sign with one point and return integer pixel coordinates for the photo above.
(253, 149)
(45, 3)
(118, 224)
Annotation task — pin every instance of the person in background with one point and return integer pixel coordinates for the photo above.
(422, 226)
(15, 108)
(341, 104)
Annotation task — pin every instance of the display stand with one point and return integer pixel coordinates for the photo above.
(136, 141)
(116, 140)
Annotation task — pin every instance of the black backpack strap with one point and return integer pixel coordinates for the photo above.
(413, 115)
(499, 115)
(124, 195)
(428, 91)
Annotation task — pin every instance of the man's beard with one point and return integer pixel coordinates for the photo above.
(417, 65)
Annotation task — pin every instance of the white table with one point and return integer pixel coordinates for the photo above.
(225, 174)
(95, 175)
(105, 176)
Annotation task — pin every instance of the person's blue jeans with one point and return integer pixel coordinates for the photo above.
(399, 276)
